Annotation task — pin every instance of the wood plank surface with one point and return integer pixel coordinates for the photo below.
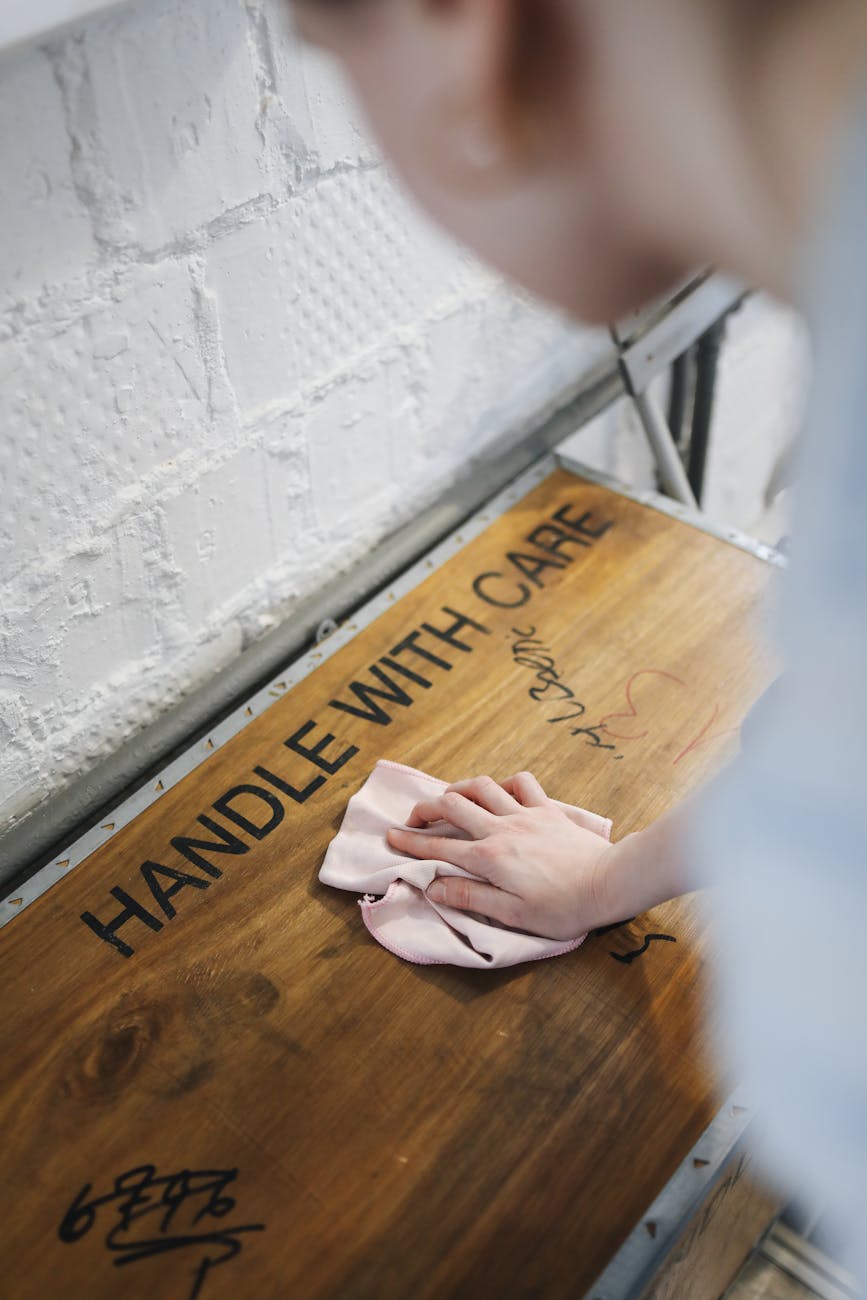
(723, 1232)
(308, 1115)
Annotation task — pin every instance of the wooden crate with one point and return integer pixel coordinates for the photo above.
(235, 1092)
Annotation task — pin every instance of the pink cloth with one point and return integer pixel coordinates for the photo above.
(404, 920)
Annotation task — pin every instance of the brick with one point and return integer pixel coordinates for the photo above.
(169, 117)
(219, 541)
(79, 621)
(88, 409)
(308, 114)
(488, 367)
(321, 283)
(289, 497)
(46, 229)
(359, 446)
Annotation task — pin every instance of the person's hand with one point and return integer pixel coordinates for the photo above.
(540, 872)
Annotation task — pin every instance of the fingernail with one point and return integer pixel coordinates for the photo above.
(436, 891)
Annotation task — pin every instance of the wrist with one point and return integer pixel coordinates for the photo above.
(613, 888)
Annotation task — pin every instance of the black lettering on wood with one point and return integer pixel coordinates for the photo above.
(533, 565)
(459, 624)
(192, 849)
(408, 673)
(368, 695)
(298, 796)
(182, 880)
(581, 526)
(224, 805)
(410, 644)
(557, 540)
(132, 911)
(316, 755)
(482, 588)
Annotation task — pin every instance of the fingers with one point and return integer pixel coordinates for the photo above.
(470, 896)
(425, 812)
(422, 844)
(487, 793)
(497, 798)
(526, 790)
(455, 808)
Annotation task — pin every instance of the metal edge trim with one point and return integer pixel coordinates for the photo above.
(686, 514)
(653, 1237)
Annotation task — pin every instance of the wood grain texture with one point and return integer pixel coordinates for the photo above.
(400, 1131)
(722, 1234)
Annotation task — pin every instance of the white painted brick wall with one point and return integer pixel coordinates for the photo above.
(231, 359)
(45, 227)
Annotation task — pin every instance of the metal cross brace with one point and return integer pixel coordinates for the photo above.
(648, 342)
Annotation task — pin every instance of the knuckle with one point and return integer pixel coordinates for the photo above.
(514, 912)
(462, 893)
(471, 786)
(484, 852)
(452, 801)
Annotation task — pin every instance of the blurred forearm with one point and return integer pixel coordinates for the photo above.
(645, 868)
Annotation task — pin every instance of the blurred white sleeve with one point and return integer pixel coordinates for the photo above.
(781, 837)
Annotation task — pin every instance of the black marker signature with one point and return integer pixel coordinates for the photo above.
(158, 1215)
(529, 652)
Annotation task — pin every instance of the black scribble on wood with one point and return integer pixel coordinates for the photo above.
(182, 1211)
(627, 957)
